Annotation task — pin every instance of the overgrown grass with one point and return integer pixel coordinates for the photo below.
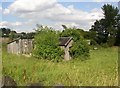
(100, 70)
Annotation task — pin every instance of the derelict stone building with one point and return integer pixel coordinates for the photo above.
(20, 46)
(65, 44)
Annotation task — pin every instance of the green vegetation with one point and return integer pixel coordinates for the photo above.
(79, 47)
(107, 29)
(100, 70)
(9, 33)
(47, 44)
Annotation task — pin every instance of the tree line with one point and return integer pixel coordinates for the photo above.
(7, 32)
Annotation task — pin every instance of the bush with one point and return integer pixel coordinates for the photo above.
(93, 42)
(111, 41)
(47, 45)
(79, 47)
(105, 45)
(75, 33)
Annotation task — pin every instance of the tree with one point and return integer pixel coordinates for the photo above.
(5, 32)
(47, 44)
(99, 31)
(64, 26)
(30, 35)
(110, 12)
(105, 28)
(12, 35)
(71, 32)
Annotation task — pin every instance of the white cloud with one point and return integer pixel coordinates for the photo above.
(27, 6)
(10, 24)
(81, 18)
(68, 24)
(3, 23)
(87, 0)
(0, 8)
(37, 10)
(6, 11)
(105, 0)
(17, 24)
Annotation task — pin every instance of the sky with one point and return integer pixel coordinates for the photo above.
(23, 15)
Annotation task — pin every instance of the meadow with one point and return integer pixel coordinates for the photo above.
(100, 70)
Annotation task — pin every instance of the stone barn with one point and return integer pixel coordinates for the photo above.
(20, 46)
(65, 44)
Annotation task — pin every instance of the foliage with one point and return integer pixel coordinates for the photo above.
(86, 34)
(12, 35)
(105, 45)
(7, 32)
(24, 35)
(100, 70)
(79, 46)
(93, 42)
(4, 32)
(118, 30)
(47, 44)
(110, 12)
(71, 32)
(105, 28)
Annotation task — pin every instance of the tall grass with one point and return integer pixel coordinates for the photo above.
(99, 70)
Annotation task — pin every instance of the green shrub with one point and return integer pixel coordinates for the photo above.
(105, 45)
(93, 42)
(47, 45)
(111, 41)
(79, 47)
(71, 32)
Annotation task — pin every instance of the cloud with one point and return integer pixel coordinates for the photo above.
(87, 0)
(6, 11)
(18, 26)
(27, 6)
(0, 8)
(79, 17)
(105, 0)
(39, 10)
(10, 24)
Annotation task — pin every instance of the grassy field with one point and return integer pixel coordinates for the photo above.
(100, 70)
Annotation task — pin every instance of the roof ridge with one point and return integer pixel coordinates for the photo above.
(68, 41)
(64, 41)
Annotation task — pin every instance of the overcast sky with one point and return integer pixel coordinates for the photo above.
(23, 15)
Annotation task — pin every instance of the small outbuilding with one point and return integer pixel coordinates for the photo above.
(20, 46)
(65, 44)
(25, 46)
